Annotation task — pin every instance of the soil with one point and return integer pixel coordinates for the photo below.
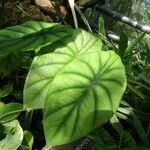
(13, 12)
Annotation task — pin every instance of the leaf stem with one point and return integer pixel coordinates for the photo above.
(71, 3)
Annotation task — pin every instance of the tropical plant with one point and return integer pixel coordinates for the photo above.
(64, 88)
(73, 81)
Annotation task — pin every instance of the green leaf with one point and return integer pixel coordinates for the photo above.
(140, 130)
(50, 48)
(147, 41)
(30, 36)
(125, 110)
(10, 62)
(134, 43)
(101, 27)
(103, 140)
(123, 44)
(127, 141)
(116, 124)
(39, 77)
(14, 136)
(27, 141)
(10, 111)
(83, 18)
(6, 90)
(145, 78)
(1, 104)
(137, 92)
(78, 83)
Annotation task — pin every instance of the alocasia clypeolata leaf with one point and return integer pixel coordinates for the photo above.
(79, 86)
(45, 67)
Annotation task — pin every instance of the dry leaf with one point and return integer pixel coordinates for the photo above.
(51, 7)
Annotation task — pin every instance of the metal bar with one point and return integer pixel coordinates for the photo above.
(124, 19)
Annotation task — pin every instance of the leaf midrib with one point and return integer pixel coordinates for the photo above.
(77, 102)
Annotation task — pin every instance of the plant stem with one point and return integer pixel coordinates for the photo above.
(83, 18)
(29, 115)
(71, 3)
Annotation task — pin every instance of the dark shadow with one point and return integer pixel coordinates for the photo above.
(60, 43)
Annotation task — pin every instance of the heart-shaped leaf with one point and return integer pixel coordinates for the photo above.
(30, 36)
(45, 67)
(80, 85)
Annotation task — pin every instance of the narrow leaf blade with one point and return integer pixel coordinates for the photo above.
(30, 36)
